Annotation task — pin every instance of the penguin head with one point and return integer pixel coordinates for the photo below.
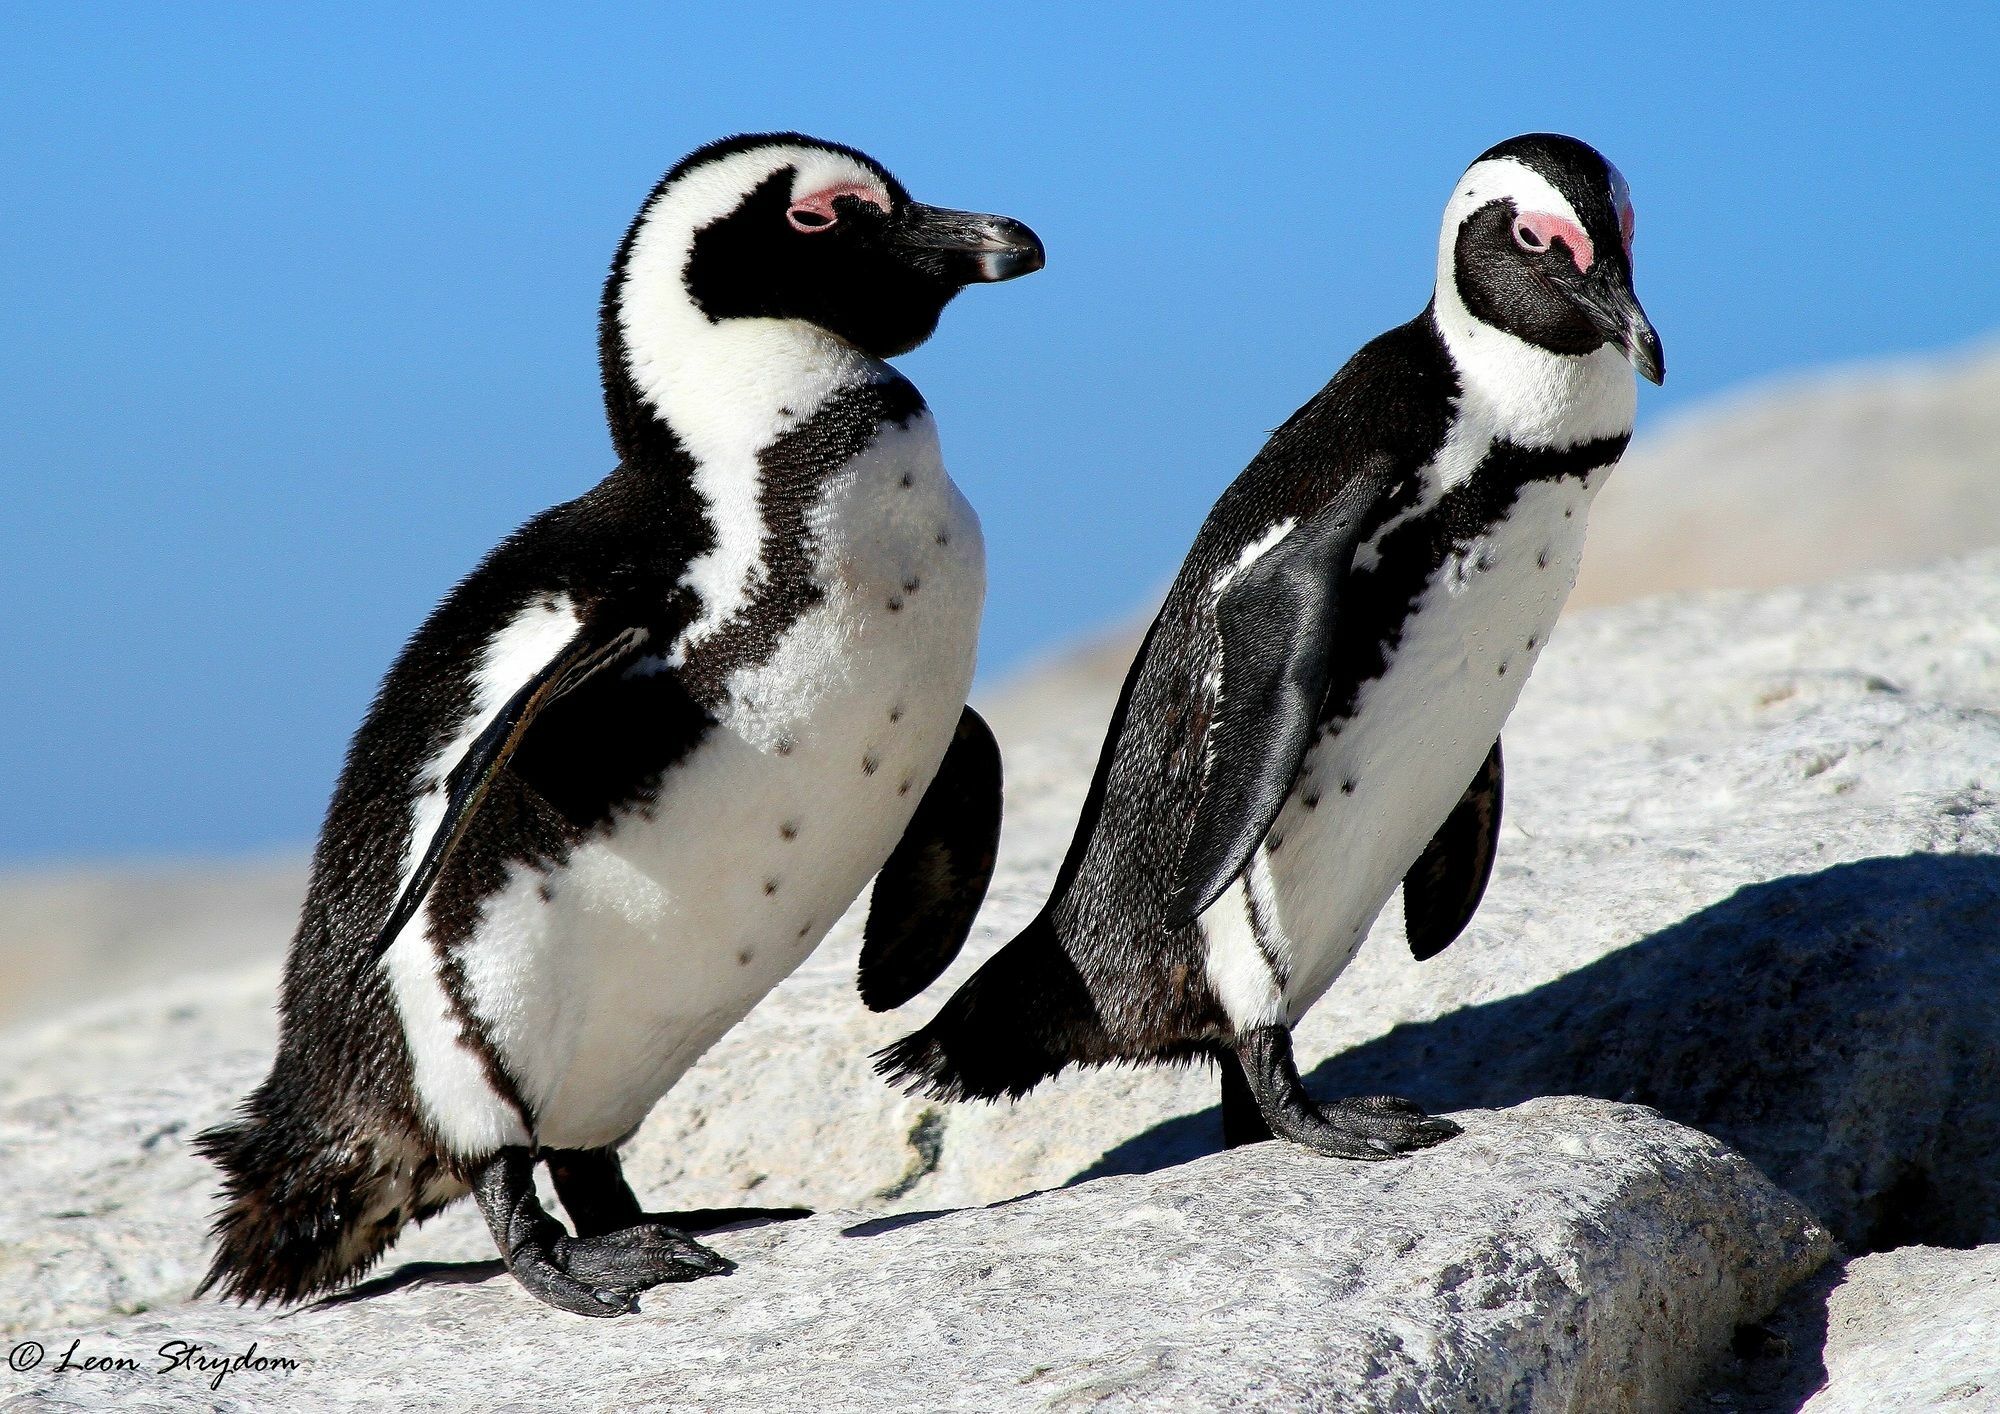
(1537, 242)
(779, 226)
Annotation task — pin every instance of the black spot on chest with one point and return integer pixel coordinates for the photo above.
(1377, 602)
(795, 471)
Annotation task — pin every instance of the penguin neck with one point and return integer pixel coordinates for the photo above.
(1524, 394)
(718, 391)
(700, 402)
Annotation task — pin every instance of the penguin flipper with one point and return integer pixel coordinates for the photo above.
(1443, 888)
(930, 890)
(588, 653)
(1276, 619)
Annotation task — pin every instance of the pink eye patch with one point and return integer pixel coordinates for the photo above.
(814, 211)
(1538, 230)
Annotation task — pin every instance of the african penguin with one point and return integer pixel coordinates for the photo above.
(637, 763)
(1314, 716)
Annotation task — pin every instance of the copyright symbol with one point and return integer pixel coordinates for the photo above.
(25, 1356)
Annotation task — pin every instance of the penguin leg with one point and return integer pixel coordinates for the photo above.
(1368, 1127)
(591, 1184)
(600, 1275)
(1242, 1122)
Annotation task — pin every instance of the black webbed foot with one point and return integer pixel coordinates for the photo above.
(636, 1258)
(600, 1274)
(1263, 1097)
(1389, 1120)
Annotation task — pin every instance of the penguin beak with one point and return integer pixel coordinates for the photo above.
(965, 247)
(1605, 295)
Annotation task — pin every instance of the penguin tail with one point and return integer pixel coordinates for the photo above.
(1021, 1018)
(309, 1202)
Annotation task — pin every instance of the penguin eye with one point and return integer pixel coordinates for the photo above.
(818, 211)
(1529, 239)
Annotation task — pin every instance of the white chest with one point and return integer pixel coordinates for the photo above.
(600, 984)
(1380, 789)
(1367, 799)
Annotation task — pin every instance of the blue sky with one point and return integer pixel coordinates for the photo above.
(299, 302)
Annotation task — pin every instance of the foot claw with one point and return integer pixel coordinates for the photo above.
(617, 1303)
(1365, 1129)
(1372, 1127)
(542, 1273)
(635, 1259)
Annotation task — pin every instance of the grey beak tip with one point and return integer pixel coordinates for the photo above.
(1650, 360)
(1020, 251)
(1023, 259)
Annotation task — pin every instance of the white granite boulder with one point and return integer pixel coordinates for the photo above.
(1748, 878)
(1913, 1329)
(1567, 1254)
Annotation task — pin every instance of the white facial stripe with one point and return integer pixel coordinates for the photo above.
(712, 190)
(700, 375)
(1509, 387)
(824, 172)
(822, 198)
(1497, 179)
(729, 388)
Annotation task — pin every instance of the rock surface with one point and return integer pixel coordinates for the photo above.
(1568, 1254)
(1749, 877)
(1917, 1328)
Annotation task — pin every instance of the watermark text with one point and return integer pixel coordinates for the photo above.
(176, 1359)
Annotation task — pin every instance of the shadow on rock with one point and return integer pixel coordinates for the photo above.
(1839, 1028)
(895, 1222)
(409, 1276)
(1776, 1365)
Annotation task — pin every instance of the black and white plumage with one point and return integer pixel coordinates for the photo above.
(1314, 717)
(635, 765)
